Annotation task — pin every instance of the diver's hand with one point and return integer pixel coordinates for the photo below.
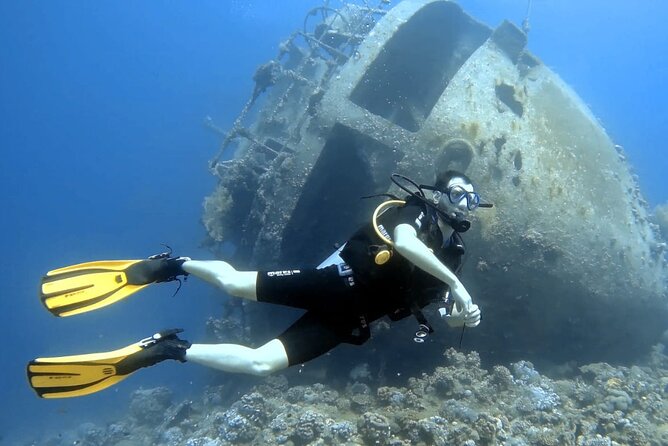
(461, 295)
(469, 317)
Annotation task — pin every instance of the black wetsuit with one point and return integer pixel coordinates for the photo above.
(342, 300)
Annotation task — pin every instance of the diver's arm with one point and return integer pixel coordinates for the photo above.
(224, 276)
(411, 247)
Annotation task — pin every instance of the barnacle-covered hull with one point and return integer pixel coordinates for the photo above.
(567, 260)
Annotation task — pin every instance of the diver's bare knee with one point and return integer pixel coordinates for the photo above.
(263, 369)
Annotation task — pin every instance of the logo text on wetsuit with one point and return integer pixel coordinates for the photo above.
(418, 221)
(287, 272)
(383, 231)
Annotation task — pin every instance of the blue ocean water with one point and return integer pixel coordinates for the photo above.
(105, 154)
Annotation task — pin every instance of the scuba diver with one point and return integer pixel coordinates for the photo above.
(404, 259)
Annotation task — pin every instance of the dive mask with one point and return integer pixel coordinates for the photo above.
(455, 195)
(453, 205)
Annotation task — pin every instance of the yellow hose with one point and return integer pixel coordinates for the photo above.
(384, 254)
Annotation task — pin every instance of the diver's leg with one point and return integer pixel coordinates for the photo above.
(224, 276)
(312, 335)
(321, 290)
(264, 360)
(304, 289)
(309, 337)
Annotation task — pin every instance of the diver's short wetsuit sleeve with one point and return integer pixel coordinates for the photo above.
(412, 214)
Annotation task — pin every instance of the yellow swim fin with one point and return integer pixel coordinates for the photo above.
(78, 375)
(88, 286)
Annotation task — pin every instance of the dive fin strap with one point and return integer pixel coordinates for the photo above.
(155, 270)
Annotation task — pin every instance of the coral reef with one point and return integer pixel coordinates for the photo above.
(458, 403)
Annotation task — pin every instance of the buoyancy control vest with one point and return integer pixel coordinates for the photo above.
(404, 288)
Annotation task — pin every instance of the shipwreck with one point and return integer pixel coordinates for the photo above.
(568, 261)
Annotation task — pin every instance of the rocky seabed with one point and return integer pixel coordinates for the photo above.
(458, 403)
